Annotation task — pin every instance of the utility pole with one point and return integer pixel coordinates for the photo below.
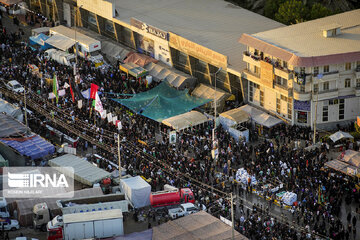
(25, 112)
(119, 156)
(215, 112)
(232, 217)
(319, 76)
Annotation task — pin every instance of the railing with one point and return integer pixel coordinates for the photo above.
(328, 91)
(255, 57)
(280, 85)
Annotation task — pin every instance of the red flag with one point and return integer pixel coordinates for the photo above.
(71, 91)
(94, 89)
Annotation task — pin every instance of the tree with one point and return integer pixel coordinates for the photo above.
(291, 12)
(271, 8)
(319, 11)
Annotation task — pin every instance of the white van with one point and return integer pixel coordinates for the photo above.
(88, 47)
(60, 57)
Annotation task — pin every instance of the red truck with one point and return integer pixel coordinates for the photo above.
(171, 197)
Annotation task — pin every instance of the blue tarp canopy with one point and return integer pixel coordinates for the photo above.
(34, 147)
(40, 40)
(162, 102)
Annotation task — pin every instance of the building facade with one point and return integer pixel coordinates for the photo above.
(307, 73)
(197, 37)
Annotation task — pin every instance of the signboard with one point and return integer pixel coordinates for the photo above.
(198, 51)
(358, 121)
(149, 29)
(172, 137)
(267, 74)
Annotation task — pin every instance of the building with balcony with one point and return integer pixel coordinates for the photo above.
(307, 72)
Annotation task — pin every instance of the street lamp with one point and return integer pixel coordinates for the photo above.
(76, 48)
(215, 103)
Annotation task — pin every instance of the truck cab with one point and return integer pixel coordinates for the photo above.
(41, 216)
(186, 195)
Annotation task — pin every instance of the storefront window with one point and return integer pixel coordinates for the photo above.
(302, 117)
(109, 27)
(92, 18)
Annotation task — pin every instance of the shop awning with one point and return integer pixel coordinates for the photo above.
(340, 135)
(113, 52)
(139, 59)
(175, 77)
(185, 120)
(260, 117)
(133, 69)
(351, 157)
(236, 115)
(342, 167)
(60, 42)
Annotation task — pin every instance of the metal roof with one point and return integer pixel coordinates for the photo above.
(92, 216)
(307, 40)
(70, 33)
(214, 24)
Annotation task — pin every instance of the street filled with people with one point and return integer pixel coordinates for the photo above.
(323, 196)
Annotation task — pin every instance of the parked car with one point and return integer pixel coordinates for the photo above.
(176, 212)
(9, 224)
(188, 208)
(15, 86)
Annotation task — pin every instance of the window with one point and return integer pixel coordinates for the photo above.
(285, 64)
(358, 82)
(251, 92)
(256, 52)
(278, 105)
(316, 71)
(333, 102)
(92, 18)
(347, 83)
(325, 115)
(284, 98)
(289, 108)
(278, 80)
(316, 87)
(326, 68)
(302, 70)
(109, 26)
(347, 66)
(262, 98)
(341, 109)
(326, 86)
(256, 70)
(358, 64)
(302, 88)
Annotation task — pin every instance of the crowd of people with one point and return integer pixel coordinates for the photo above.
(188, 163)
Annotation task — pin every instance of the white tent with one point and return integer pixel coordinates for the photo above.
(185, 120)
(261, 117)
(11, 110)
(61, 42)
(209, 92)
(340, 135)
(84, 171)
(137, 191)
(233, 116)
(113, 51)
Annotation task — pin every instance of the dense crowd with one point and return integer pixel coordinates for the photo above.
(272, 160)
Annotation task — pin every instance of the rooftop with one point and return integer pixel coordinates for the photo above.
(215, 24)
(306, 39)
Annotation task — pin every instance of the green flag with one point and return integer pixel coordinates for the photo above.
(55, 88)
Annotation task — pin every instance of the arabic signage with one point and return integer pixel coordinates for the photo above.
(197, 51)
(149, 29)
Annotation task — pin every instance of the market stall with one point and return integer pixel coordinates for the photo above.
(185, 120)
(133, 70)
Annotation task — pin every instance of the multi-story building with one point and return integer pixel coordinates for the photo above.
(307, 72)
(196, 37)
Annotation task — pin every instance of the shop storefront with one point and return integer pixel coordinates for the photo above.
(302, 112)
(151, 41)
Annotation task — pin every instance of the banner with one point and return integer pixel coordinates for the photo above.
(62, 92)
(55, 88)
(109, 117)
(52, 95)
(114, 119)
(98, 106)
(93, 90)
(80, 104)
(71, 92)
(172, 137)
(118, 124)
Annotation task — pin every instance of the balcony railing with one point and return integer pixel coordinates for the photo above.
(255, 57)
